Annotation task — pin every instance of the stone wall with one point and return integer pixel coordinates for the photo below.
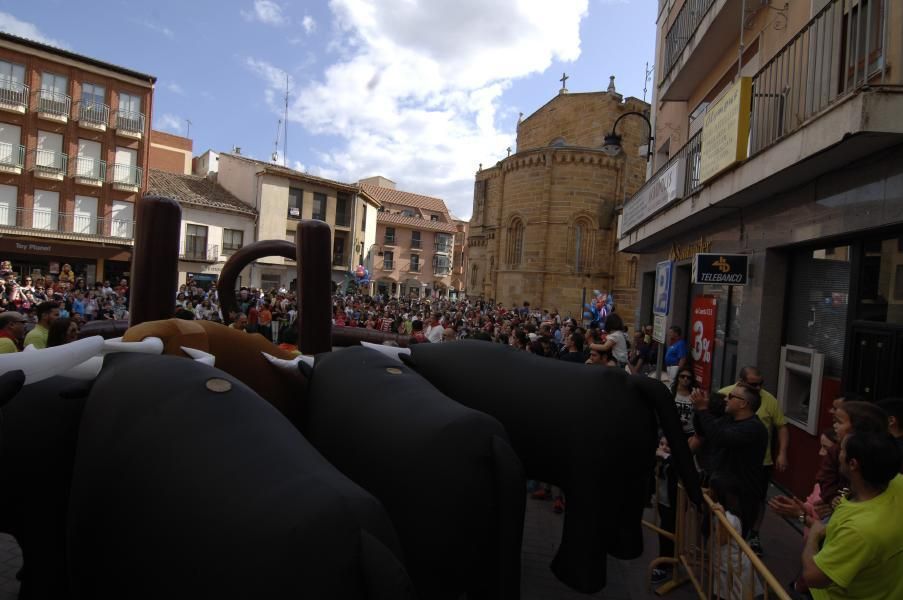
(552, 190)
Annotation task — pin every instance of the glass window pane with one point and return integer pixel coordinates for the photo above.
(880, 284)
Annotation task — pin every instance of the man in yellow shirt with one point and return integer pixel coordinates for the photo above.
(47, 313)
(772, 417)
(859, 555)
(12, 328)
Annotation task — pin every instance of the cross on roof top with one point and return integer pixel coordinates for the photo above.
(563, 80)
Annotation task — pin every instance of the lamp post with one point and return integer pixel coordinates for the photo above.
(612, 145)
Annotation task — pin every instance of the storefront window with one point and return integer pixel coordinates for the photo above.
(881, 282)
(818, 297)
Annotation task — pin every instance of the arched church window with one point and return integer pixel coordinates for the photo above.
(581, 246)
(515, 243)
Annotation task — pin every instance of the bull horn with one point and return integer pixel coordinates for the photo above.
(392, 352)
(289, 366)
(200, 356)
(39, 365)
(150, 345)
(86, 371)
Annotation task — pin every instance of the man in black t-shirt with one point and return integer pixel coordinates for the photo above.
(738, 440)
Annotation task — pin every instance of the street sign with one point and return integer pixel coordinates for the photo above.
(721, 269)
(662, 300)
(658, 328)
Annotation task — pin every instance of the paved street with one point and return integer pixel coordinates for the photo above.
(542, 530)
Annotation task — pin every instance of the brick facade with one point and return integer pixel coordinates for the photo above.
(38, 59)
(564, 192)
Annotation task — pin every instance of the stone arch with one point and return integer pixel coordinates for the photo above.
(582, 235)
(514, 247)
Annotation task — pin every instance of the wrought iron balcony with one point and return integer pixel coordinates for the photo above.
(190, 250)
(13, 96)
(90, 171)
(682, 30)
(12, 158)
(53, 105)
(130, 124)
(126, 177)
(93, 115)
(49, 164)
(64, 225)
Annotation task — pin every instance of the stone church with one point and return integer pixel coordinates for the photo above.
(544, 224)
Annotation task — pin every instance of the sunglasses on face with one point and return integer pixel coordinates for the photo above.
(685, 377)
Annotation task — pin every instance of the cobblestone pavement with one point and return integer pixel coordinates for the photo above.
(627, 580)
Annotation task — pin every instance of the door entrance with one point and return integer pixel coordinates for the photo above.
(877, 353)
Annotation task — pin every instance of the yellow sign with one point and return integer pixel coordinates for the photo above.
(725, 131)
(679, 252)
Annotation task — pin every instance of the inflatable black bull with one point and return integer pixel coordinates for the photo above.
(590, 430)
(166, 478)
(390, 431)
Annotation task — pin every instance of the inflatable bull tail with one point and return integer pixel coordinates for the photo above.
(663, 405)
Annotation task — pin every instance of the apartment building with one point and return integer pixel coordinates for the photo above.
(282, 197)
(415, 242)
(774, 206)
(73, 147)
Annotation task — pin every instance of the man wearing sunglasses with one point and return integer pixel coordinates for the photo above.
(772, 417)
(738, 441)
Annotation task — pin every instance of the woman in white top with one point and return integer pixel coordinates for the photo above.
(616, 341)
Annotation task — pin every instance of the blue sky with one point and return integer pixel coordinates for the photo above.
(419, 91)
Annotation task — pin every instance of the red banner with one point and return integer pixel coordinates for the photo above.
(705, 313)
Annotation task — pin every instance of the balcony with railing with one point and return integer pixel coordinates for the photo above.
(45, 222)
(416, 244)
(389, 240)
(49, 164)
(52, 105)
(699, 36)
(821, 90)
(90, 171)
(129, 124)
(13, 96)
(443, 247)
(198, 252)
(126, 178)
(12, 158)
(93, 115)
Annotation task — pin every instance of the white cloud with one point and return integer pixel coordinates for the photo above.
(12, 25)
(169, 122)
(162, 30)
(309, 24)
(415, 93)
(175, 88)
(265, 11)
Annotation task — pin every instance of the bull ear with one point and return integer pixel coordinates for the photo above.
(10, 384)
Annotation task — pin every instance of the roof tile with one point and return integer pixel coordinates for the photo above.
(390, 196)
(194, 190)
(415, 222)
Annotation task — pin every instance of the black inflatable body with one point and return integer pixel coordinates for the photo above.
(416, 450)
(184, 484)
(592, 431)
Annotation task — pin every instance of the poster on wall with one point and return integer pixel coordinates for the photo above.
(705, 312)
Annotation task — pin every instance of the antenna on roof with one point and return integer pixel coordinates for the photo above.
(276, 144)
(285, 123)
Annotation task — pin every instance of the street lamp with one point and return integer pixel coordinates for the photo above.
(612, 145)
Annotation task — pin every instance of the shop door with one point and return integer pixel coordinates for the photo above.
(877, 352)
(876, 340)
